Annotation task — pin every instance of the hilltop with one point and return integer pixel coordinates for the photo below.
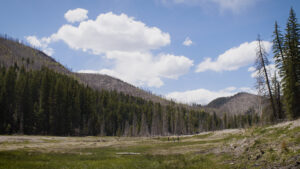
(240, 103)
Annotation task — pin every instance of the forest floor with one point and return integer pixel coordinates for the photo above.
(276, 146)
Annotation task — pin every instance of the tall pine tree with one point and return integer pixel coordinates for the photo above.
(287, 57)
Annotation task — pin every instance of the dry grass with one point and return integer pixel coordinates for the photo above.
(237, 148)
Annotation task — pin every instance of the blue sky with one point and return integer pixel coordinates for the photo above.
(142, 41)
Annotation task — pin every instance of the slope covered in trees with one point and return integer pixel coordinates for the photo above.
(13, 52)
(46, 102)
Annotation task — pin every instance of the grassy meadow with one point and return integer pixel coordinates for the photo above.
(257, 147)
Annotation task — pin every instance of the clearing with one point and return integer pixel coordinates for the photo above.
(275, 146)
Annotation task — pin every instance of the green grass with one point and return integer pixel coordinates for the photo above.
(202, 136)
(106, 158)
(191, 152)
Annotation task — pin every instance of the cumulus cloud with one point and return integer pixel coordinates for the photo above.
(111, 32)
(40, 43)
(204, 96)
(76, 15)
(232, 5)
(144, 69)
(233, 58)
(187, 42)
(128, 44)
(271, 69)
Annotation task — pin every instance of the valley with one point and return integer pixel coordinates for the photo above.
(159, 84)
(276, 146)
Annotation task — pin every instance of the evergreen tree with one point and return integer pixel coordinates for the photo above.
(287, 56)
(292, 78)
(278, 50)
(9, 125)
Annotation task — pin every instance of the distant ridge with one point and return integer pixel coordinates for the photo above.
(240, 103)
(105, 82)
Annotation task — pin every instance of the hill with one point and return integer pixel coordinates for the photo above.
(240, 103)
(105, 82)
(11, 52)
(36, 101)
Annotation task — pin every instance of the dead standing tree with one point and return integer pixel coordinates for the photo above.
(262, 76)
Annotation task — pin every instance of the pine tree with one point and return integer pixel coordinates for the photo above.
(281, 65)
(292, 79)
(287, 56)
(8, 108)
(2, 100)
(277, 96)
(21, 96)
(278, 50)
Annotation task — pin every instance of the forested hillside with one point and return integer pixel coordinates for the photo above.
(49, 103)
(13, 52)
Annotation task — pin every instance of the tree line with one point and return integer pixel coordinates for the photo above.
(45, 102)
(283, 92)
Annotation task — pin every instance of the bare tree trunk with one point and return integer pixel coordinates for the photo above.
(144, 127)
(261, 57)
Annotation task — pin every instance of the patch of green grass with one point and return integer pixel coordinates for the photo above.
(297, 139)
(14, 142)
(106, 158)
(234, 136)
(260, 130)
(50, 141)
(203, 136)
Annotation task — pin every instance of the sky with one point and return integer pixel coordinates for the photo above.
(191, 51)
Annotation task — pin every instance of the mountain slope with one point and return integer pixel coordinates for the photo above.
(240, 103)
(105, 82)
(12, 52)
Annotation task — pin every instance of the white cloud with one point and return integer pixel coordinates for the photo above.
(233, 58)
(187, 42)
(128, 44)
(144, 69)
(251, 69)
(271, 69)
(40, 43)
(232, 5)
(33, 41)
(248, 90)
(76, 15)
(111, 32)
(204, 96)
